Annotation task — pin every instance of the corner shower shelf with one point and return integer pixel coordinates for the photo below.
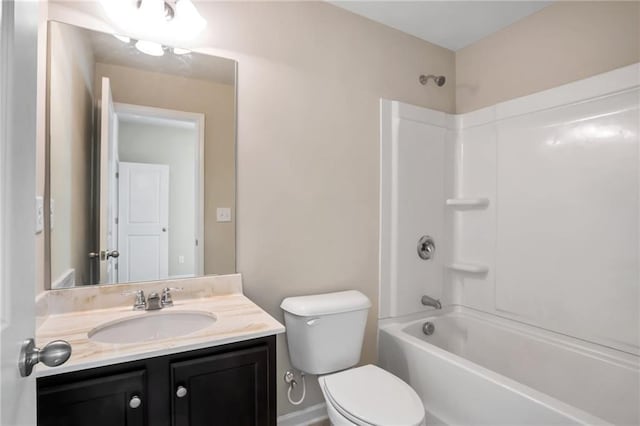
(473, 268)
(468, 202)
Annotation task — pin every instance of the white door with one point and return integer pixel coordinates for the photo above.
(108, 187)
(18, 40)
(143, 222)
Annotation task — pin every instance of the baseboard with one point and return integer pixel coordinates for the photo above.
(314, 414)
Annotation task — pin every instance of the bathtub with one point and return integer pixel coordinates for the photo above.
(478, 368)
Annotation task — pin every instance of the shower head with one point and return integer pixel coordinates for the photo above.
(438, 79)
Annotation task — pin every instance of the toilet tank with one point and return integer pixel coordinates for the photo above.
(325, 331)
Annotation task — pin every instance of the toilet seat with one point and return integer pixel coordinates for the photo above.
(371, 396)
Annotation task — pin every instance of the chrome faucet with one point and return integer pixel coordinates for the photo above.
(430, 301)
(140, 303)
(154, 301)
(166, 299)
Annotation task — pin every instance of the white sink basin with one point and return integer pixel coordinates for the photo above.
(152, 326)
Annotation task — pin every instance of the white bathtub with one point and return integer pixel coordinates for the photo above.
(477, 368)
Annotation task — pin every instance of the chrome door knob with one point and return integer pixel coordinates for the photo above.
(181, 392)
(113, 253)
(135, 401)
(52, 355)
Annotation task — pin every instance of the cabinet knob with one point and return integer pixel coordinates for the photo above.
(135, 401)
(181, 392)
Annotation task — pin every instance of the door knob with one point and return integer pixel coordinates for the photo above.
(52, 355)
(135, 401)
(181, 392)
(105, 254)
(113, 253)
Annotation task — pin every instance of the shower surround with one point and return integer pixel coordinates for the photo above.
(534, 206)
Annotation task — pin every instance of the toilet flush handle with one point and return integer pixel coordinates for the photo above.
(312, 322)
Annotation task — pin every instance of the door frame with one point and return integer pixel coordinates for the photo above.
(198, 119)
(108, 185)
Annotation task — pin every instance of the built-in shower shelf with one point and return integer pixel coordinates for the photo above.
(468, 202)
(474, 268)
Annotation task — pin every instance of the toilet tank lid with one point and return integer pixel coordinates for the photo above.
(324, 304)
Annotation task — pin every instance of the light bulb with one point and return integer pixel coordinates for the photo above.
(150, 48)
(152, 17)
(187, 19)
(152, 9)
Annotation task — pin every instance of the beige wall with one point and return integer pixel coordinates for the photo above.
(564, 42)
(217, 103)
(71, 138)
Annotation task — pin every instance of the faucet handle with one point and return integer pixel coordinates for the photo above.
(140, 302)
(166, 295)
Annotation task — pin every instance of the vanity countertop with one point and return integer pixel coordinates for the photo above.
(238, 318)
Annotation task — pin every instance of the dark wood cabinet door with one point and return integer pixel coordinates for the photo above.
(224, 389)
(102, 401)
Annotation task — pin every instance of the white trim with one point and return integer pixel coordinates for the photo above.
(4, 55)
(419, 114)
(314, 414)
(385, 293)
(146, 113)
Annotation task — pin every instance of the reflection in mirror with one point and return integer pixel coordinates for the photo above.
(140, 161)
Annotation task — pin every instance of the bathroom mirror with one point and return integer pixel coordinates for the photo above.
(140, 160)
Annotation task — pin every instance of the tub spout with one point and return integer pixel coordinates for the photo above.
(429, 301)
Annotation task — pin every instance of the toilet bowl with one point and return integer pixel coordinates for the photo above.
(324, 336)
(370, 396)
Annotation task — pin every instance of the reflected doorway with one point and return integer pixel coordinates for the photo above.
(155, 209)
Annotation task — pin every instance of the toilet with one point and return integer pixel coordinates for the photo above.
(324, 336)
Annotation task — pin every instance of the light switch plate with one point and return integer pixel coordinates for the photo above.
(223, 214)
(39, 214)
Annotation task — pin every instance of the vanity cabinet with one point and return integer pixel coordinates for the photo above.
(230, 384)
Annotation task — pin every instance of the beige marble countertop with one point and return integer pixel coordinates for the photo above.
(238, 318)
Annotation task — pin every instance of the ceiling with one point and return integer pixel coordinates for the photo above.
(450, 24)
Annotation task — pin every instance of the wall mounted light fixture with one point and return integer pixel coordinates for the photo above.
(151, 47)
(170, 19)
